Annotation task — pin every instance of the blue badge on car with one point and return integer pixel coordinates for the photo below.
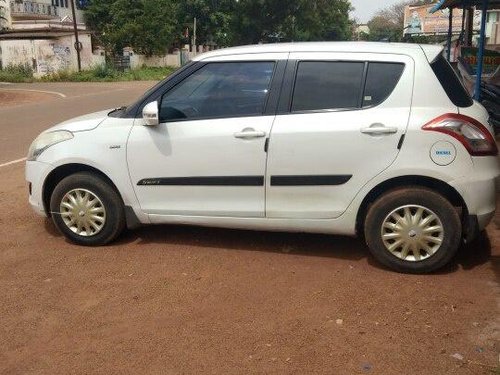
(445, 152)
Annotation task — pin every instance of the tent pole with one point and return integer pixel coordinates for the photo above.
(450, 29)
(480, 52)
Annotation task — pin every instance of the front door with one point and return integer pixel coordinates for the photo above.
(206, 158)
(342, 118)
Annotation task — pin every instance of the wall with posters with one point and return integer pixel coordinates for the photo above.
(47, 56)
(418, 20)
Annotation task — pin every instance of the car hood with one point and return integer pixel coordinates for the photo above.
(82, 123)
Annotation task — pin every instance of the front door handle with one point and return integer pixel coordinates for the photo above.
(249, 133)
(379, 129)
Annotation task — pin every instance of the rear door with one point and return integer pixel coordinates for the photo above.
(340, 120)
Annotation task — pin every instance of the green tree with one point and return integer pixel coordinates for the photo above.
(148, 26)
(213, 19)
(291, 20)
(382, 28)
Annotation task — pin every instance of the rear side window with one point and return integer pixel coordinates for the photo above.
(451, 83)
(381, 80)
(327, 85)
(343, 84)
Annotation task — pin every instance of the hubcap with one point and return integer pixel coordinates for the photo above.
(412, 233)
(83, 212)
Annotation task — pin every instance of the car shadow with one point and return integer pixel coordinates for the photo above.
(342, 247)
(471, 255)
(468, 256)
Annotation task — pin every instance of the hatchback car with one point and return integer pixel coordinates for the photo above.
(375, 139)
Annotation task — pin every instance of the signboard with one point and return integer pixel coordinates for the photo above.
(418, 20)
(491, 60)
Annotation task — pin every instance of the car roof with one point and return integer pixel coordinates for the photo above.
(431, 51)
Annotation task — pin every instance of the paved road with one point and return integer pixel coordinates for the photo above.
(19, 124)
(187, 300)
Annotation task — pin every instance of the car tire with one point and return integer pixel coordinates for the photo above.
(87, 209)
(413, 230)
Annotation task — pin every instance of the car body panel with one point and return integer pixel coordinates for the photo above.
(302, 144)
(331, 143)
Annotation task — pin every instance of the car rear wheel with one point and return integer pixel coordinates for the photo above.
(87, 210)
(414, 230)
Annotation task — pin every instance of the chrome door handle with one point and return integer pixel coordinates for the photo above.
(249, 133)
(379, 129)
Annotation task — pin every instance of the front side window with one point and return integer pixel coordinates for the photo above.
(228, 89)
(327, 85)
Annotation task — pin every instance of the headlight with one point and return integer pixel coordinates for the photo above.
(45, 140)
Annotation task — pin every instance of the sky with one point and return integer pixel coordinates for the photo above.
(365, 9)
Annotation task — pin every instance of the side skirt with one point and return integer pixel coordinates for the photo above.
(343, 225)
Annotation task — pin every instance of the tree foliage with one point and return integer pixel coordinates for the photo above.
(213, 19)
(149, 26)
(291, 20)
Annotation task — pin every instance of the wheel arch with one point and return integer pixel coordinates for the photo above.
(407, 181)
(63, 171)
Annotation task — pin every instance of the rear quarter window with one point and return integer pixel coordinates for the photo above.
(381, 79)
(451, 83)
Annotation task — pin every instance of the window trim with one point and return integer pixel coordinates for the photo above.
(286, 100)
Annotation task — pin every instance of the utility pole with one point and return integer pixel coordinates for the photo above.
(194, 36)
(78, 46)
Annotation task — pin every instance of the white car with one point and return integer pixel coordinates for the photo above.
(375, 139)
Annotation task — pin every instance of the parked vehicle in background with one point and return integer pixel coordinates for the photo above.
(375, 139)
(490, 99)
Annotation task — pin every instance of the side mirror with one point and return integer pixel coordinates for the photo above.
(150, 114)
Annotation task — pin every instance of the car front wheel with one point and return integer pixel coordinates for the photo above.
(87, 210)
(414, 230)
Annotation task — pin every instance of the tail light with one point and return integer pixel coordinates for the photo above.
(475, 137)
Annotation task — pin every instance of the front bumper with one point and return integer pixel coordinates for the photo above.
(36, 173)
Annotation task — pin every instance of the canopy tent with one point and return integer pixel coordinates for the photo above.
(441, 4)
(484, 5)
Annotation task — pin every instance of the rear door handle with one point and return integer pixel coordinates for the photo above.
(249, 133)
(379, 129)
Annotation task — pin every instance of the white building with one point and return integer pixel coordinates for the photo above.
(40, 33)
(361, 30)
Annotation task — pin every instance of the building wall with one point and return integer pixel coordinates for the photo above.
(63, 12)
(136, 61)
(5, 13)
(64, 9)
(47, 56)
(493, 28)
